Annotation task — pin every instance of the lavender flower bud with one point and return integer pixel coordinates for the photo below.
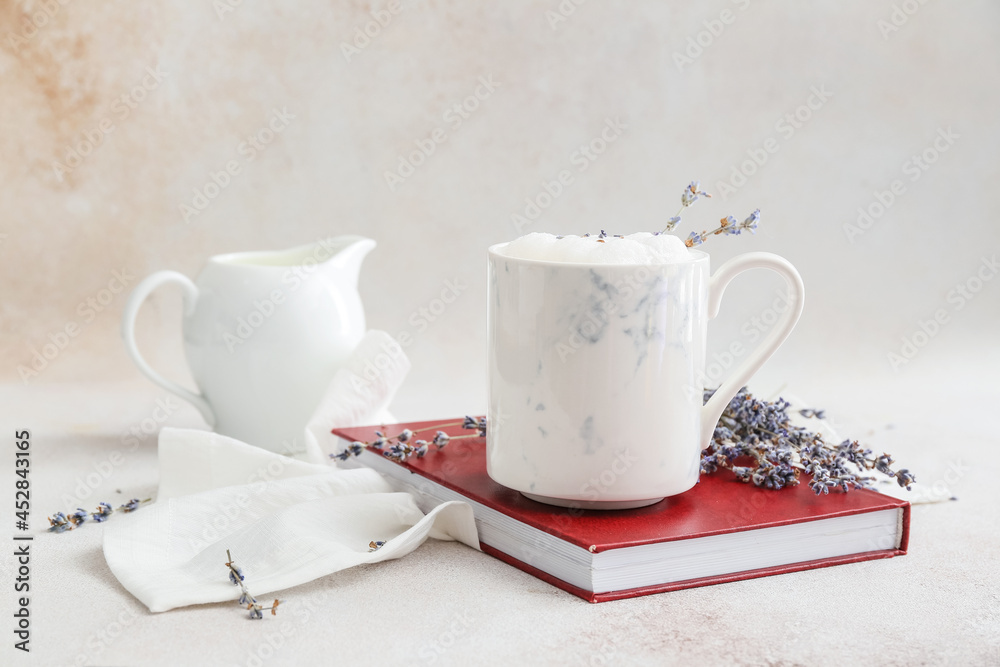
(102, 513)
(58, 523)
(750, 224)
(78, 517)
(695, 239)
(692, 192)
(730, 225)
(130, 506)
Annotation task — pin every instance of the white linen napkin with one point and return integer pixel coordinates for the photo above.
(285, 521)
(359, 393)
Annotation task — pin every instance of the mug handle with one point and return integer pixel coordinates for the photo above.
(132, 306)
(713, 409)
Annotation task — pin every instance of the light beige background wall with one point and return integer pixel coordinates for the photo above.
(220, 74)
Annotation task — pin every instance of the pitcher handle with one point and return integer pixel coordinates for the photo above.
(139, 294)
(715, 406)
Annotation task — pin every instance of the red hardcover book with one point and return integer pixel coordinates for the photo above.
(721, 530)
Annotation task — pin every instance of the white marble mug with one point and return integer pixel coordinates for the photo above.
(596, 374)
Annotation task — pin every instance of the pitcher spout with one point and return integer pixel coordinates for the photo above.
(346, 255)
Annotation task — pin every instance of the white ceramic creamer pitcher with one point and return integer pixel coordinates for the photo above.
(264, 333)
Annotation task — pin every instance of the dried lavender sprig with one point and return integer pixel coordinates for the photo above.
(60, 523)
(439, 426)
(761, 430)
(729, 226)
(689, 196)
(237, 578)
(400, 447)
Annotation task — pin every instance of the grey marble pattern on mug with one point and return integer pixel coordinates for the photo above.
(611, 353)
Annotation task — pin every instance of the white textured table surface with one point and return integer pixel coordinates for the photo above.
(449, 605)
